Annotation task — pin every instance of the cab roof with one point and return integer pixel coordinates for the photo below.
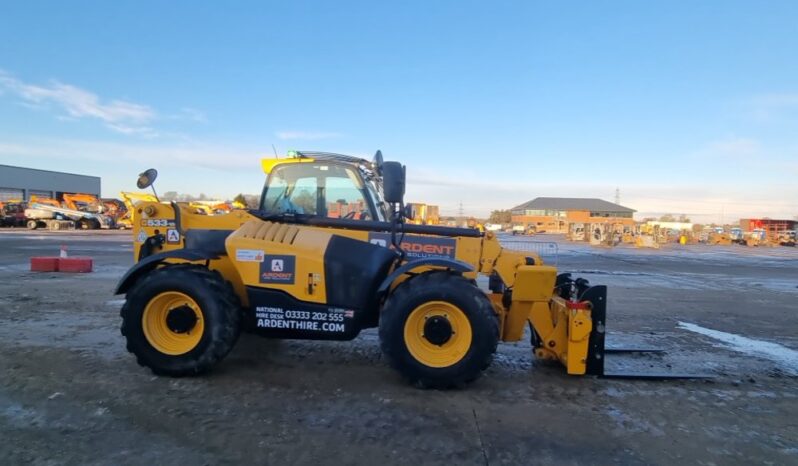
(366, 166)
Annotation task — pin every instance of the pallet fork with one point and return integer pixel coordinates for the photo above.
(597, 351)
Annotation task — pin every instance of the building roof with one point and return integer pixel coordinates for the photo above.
(46, 171)
(572, 203)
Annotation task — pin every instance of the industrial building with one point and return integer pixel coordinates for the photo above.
(556, 214)
(22, 183)
(773, 227)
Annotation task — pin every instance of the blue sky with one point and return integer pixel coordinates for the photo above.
(684, 106)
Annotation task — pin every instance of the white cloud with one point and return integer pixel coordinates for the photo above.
(119, 115)
(191, 114)
(306, 135)
(203, 156)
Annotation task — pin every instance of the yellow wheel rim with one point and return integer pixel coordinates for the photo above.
(167, 323)
(446, 353)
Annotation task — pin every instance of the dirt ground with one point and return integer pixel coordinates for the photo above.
(71, 394)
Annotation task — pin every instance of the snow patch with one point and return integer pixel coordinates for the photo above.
(782, 355)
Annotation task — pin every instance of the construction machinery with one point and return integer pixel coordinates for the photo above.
(12, 213)
(89, 204)
(737, 236)
(290, 270)
(576, 232)
(787, 238)
(44, 200)
(116, 209)
(226, 207)
(61, 218)
(83, 202)
(718, 236)
(757, 237)
(131, 199)
(423, 214)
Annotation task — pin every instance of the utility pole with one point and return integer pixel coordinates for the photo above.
(461, 214)
(618, 196)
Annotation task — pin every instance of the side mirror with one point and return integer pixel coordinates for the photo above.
(378, 161)
(147, 178)
(393, 182)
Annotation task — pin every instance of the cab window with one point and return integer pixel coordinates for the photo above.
(323, 189)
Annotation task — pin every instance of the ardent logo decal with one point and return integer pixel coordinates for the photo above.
(277, 265)
(417, 246)
(278, 269)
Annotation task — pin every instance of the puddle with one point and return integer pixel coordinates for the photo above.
(787, 358)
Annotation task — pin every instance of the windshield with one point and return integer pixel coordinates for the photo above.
(324, 189)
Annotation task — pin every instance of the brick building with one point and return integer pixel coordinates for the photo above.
(556, 214)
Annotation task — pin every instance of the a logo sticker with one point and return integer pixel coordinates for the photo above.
(142, 236)
(249, 255)
(418, 247)
(278, 269)
(172, 236)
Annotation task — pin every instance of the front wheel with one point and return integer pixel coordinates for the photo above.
(439, 330)
(32, 224)
(181, 320)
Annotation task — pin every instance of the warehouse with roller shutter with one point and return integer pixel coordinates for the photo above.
(21, 183)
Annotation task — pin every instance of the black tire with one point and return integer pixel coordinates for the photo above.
(221, 312)
(453, 289)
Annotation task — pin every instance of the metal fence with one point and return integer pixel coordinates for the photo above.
(547, 250)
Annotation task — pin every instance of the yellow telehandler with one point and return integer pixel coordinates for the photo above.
(288, 270)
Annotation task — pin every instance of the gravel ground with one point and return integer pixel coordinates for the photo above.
(70, 393)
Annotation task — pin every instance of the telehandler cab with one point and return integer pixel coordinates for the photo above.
(328, 254)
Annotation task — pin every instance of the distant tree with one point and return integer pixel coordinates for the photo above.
(169, 196)
(252, 201)
(667, 218)
(240, 198)
(306, 201)
(684, 218)
(500, 216)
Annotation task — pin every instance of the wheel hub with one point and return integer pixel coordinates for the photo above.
(181, 319)
(438, 330)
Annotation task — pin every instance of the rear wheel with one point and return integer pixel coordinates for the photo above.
(181, 320)
(33, 224)
(439, 330)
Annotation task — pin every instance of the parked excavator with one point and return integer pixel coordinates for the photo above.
(288, 270)
(44, 201)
